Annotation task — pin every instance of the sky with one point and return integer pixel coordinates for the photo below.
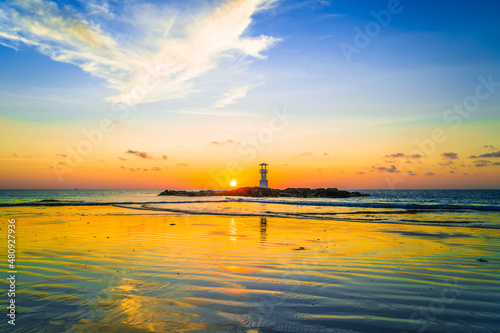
(193, 94)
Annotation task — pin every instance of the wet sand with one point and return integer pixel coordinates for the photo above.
(110, 269)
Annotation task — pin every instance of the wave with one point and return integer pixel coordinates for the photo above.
(408, 206)
(416, 207)
(59, 203)
(368, 212)
(322, 216)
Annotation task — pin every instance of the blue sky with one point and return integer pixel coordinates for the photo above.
(66, 64)
(436, 48)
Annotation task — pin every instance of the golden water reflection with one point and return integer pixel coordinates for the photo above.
(115, 270)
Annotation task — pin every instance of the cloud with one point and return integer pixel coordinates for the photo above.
(495, 154)
(232, 96)
(182, 165)
(481, 163)
(430, 174)
(384, 169)
(139, 153)
(136, 169)
(155, 169)
(212, 112)
(451, 156)
(496, 163)
(146, 51)
(307, 153)
(29, 156)
(122, 159)
(325, 154)
(164, 157)
(219, 143)
(361, 173)
(395, 155)
(489, 147)
(100, 8)
(399, 155)
(122, 167)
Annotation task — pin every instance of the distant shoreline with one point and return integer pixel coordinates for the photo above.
(269, 192)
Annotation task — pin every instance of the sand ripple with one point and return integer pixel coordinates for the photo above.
(238, 274)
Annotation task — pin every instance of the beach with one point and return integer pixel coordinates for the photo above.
(249, 166)
(113, 269)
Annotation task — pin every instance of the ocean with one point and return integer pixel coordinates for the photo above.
(457, 208)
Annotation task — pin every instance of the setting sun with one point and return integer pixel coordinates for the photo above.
(233, 183)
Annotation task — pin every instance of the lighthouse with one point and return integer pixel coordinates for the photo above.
(263, 175)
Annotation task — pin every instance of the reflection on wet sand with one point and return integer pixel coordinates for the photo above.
(144, 273)
(263, 229)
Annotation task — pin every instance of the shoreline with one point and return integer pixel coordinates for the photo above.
(120, 208)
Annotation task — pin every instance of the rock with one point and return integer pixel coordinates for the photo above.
(269, 192)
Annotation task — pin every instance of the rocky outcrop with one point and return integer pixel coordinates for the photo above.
(269, 192)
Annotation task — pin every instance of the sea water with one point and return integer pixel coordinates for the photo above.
(458, 208)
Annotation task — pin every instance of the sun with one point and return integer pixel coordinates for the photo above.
(233, 183)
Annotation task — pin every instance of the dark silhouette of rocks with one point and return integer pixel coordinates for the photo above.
(269, 192)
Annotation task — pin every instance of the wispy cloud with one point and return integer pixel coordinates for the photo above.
(396, 155)
(451, 156)
(139, 154)
(481, 163)
(158, 53)
(495, 154)
(385, 169)
(232, 96)
(487, 155)
(304, 154)
(219, 143)
(217, 113)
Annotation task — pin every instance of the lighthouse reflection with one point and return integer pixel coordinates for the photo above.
(263, 229)
(232, 231)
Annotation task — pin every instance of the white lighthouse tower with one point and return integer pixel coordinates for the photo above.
(263, 175)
